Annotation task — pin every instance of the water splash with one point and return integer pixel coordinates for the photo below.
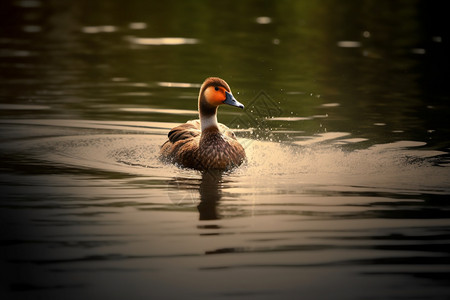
(399, 165)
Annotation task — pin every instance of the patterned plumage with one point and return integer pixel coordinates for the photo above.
(205, 144)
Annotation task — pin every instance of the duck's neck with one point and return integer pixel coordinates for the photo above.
(209, 121)
(208, 114)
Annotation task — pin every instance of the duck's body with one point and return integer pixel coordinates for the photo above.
(205, 144)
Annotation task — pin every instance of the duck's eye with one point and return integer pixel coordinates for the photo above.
(216, 88)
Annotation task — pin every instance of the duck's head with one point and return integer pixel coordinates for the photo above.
(215, 92)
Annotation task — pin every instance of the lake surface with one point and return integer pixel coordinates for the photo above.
(345, 194)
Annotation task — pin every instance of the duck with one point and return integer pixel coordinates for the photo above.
(205, 144)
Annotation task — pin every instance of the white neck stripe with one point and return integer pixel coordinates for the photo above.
(209, 121)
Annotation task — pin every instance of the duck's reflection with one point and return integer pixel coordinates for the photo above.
(183, 192)
(210, 194)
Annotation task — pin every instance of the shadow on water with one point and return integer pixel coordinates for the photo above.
(205, 193)
(210, 194)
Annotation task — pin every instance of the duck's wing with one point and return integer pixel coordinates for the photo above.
(182, 144)
(226, 131)
(185, 131)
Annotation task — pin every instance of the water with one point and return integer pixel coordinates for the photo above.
(345, 191)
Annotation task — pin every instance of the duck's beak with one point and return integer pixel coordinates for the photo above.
(230, 100)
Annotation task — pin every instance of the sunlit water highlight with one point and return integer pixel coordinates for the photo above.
(321, 160)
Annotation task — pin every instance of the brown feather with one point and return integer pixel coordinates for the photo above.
(214, 148)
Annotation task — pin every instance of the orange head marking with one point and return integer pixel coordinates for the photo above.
(215, 95)
(214, 92)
